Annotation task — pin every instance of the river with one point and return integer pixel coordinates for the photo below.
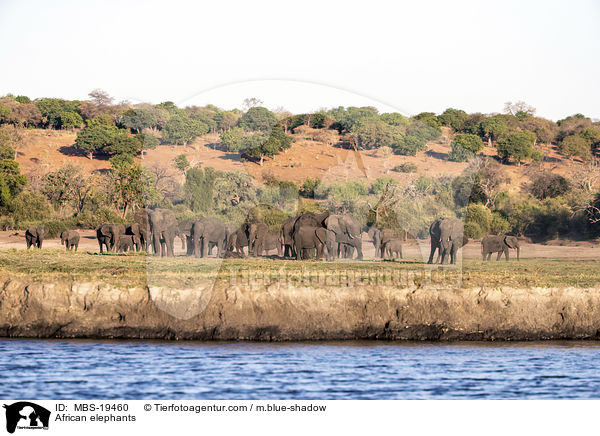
(79, 369)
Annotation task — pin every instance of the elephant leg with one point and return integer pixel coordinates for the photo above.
(156, 244)
(498, 256)
(319, 251)
(506, 254)
(431, 253)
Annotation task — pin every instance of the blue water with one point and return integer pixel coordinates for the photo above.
(53, 369)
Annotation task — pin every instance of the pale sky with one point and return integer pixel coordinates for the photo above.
(407, 56)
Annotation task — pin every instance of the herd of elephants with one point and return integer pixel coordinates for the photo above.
(303, 237)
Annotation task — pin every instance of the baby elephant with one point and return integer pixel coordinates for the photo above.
(392, 249)
(499, 244)
(126, 243)
(70, 239)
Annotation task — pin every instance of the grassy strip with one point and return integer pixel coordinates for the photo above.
(139, 270)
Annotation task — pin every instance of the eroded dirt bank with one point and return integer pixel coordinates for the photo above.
(225, 311)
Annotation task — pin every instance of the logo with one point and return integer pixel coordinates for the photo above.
(26, 415)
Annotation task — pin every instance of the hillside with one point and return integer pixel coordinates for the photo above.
(45, 150)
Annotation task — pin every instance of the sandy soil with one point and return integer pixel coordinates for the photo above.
(411, 249)
(46, 150)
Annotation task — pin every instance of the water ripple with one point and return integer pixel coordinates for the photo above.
(349, 370)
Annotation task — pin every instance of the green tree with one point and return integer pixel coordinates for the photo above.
(233, 139)
(147, 141)
(138, 119)
(275, 143)
(395, 119)
(70, 120)
(416, 138)
(129, 185)
(123, 143)
(95, 137)
(182, 163)
(52, 108)
(258, 119)
(181, 129)
(465, 146)
(7, 151)
(492, 128)
(517, 146)
(575, 146)
(12, 182)
(454, 118)
(199, 189)
(592, 135)
(375, 134)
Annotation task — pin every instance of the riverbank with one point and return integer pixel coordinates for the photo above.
(90, 296)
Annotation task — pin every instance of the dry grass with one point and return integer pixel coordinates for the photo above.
(139, 270)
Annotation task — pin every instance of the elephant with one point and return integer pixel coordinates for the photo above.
(313, 238)
(108, 235)
(393, 248)
(208, 231)
(447, 237)
(163, 228)
(70, 239)
(135, 230)
(257, 234)
(237, 241)
(127, 243)
(375, 235)
(286, 237)
(346, 230)
(141, 217)
(499, 244)
(308, 219)
(387, 235)
(34, 236)
(270, 242)
(185, 233)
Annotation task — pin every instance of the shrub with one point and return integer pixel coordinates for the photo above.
(480, 221)
(148, 141)
(537, 156)
(406, 168)
(548, 184)
(307, 189)
(464, 146)
(30, 206)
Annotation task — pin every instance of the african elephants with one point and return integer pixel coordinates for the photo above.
(70, 239)
(126, 243)
(346, 230)
(135, 230)
(141, 217)
(447, 237)
(392, 248)
(108, 236)
(499, 244)
(208, 231)
(34, 236)
(312, 238)
(260, 239)
(375, 234)
(163, 228)
(286, 237)
(237, 240)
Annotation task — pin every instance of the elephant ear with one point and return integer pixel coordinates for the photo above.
(511, 241)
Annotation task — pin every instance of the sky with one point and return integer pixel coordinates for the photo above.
(405, 56)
